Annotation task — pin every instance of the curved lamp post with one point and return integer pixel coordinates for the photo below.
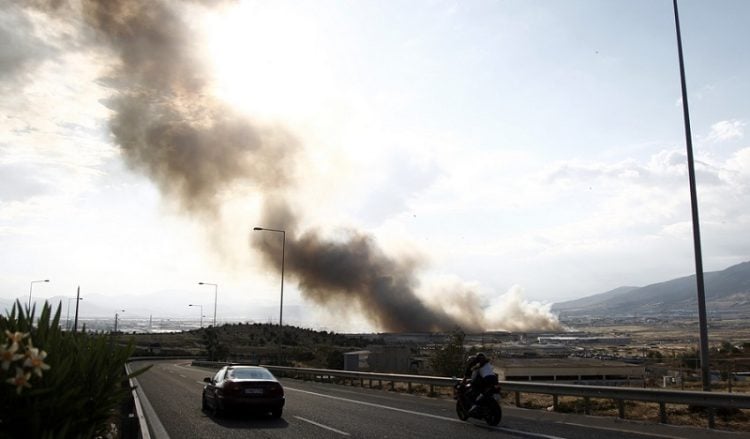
(216, 295)
(283, 250)
(31, 286)
(201, 306)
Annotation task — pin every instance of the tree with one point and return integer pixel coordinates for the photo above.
(215, 350)
(690, 359)
(449, 360)
(335, 360)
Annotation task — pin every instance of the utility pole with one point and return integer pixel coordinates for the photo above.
(78, 300)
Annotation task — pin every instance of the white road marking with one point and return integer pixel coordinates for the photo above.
(640, 433)
(427, 415)
(157, 428)
(343, 433)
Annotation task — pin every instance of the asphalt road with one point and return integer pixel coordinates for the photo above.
(172, 392)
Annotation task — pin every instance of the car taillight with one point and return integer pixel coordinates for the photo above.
(275, 390)
(231, 387)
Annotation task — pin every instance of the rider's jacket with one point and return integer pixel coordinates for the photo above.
(485, 370)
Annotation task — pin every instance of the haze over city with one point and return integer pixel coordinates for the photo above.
(450, 164)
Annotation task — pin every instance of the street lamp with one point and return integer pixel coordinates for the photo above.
(283, 250)
(67, 317)
(115, 331)
(699, 280)
(216, 295)
(31, 285)
(201, 313)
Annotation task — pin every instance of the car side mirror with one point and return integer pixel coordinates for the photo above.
(207, 380)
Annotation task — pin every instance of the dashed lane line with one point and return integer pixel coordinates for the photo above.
(427, 415)
(343, 433)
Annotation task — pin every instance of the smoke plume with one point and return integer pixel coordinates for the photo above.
(170, 128)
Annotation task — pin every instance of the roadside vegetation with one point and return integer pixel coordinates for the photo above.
(57, 384)
(258, 343)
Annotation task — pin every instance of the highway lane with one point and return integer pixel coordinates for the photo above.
(317, 410)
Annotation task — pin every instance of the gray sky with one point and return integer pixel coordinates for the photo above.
(524, 152)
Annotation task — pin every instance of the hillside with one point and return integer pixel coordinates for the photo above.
(256, 343)
(727, 294)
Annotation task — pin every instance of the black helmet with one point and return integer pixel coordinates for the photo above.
(481, 358)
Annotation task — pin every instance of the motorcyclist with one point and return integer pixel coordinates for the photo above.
(471, 361)
(483, 379)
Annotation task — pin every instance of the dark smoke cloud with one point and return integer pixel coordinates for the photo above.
(358, 271)
(20, 49)
(355, 272)
(194, 148)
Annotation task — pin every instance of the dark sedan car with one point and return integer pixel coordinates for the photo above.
(237, 387)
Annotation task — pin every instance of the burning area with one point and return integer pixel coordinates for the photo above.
(195, 148)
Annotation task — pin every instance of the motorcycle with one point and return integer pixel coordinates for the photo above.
(488, 406)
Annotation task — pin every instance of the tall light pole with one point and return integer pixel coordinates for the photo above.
(201, 313)
(67, 317)
(31, 285)
(216, 295)
(283, 250)
(78, 296)
(116, 314)
(702, 320)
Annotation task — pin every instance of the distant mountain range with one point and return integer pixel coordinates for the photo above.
(727, 294)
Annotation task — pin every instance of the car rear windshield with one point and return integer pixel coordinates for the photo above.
(250, 374)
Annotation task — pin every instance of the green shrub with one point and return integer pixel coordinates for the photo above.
(56, 384)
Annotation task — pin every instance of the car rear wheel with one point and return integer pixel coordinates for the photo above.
(218, 409)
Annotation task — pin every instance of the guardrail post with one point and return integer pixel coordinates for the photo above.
(518, 399)
(408, 385)
(662, 412)
(393, 386)
(586, 405)
(361, 382)
(554, 403)
(621, 409)
(711, 418)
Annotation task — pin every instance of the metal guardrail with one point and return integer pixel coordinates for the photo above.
(144, 413)
(143, 432)
(709, 400)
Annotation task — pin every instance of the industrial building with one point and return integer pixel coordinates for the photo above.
(571, 371)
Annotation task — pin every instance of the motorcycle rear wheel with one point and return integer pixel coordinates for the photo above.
(494, 414)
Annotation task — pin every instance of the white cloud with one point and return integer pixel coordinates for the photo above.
(726, 130)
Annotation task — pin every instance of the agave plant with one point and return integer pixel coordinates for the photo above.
(58, 384)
